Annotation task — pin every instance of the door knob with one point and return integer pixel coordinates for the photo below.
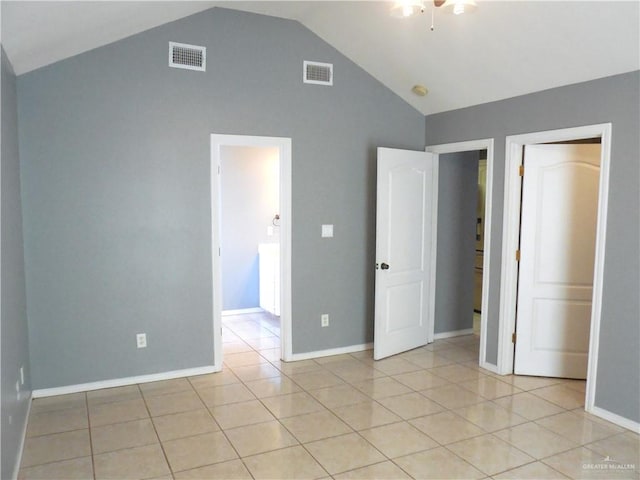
(384, 266)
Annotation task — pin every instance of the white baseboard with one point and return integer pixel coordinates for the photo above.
(330, 352)
(454, 333)
(242, 311)
(16, 466)
(615, 418)
(121, 382)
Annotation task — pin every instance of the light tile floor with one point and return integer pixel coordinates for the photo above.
(429, 413)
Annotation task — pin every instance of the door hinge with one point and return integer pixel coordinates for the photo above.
(517, 255)
(513, 337)
(521, 171)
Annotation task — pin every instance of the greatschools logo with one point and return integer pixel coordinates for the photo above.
(608, 464)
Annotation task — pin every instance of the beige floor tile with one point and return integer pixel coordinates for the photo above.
(116, 412)
(240, 414)
(230, 470)
(420, 380)
(490, 387)
(453, 396)
(447, 427)
(132, 463)
(528, 406)
(490, 417)
(229, 348)
(58, 402)
(460, 355)
(119, 436)
(260, 438)
(427, 359)
(165, 387)
(384, 470)
(117, 394)
(410, 405)
(270, 387)
(225, 394)
(174, 403)
(358, 373)
(578, 428)
(577, 385)
(315, 426)
(526, 383)
(339, 395)
(316, 380)
(244, 359)
(437, 463)
(256, 372)
(395, 366)
(301, 366)
(185, 424)
(561, 395)
(264, 343)
(198, 451)
(622, 448)
(366, 415)
(347, 452)
(531, 471)
(57, 421)
(284, 406)
(535, 440)
(456, 373)
(398, 439)
(490, 454)
(77, 468)
(225, 377)
(584, 463)
(271, 354)
(382, 387)
(288, 463)
(344, 357)
(56, 447)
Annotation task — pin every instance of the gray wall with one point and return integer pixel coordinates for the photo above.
(115, 164)
(250, 199)
(15, 347)
(614, 99)
(457, 206)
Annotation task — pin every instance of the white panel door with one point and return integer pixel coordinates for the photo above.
(557, 245)
(403, 250)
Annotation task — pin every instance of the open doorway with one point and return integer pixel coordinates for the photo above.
(250, 249)
(472, 163)
(251, 243)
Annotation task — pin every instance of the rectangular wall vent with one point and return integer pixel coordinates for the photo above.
(191, 57)
(318, 73)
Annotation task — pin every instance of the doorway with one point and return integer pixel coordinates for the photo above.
(251, 241)
(511, 238)
(478, 264)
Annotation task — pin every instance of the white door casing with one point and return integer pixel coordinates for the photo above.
(406, 191)
(557, 245)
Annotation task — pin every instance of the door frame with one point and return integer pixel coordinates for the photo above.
(472, 145)
(284, 146)
(511, 233)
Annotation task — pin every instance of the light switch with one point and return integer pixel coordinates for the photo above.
(327, 231)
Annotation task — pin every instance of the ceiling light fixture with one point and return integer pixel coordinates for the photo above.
(458, 7)
(406, 8)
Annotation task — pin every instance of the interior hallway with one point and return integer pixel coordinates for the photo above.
(427, 413)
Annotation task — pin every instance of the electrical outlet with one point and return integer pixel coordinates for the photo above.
(21, 375)
(141, 340)
(324, 319)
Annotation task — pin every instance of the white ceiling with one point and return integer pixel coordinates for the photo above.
(504, 49)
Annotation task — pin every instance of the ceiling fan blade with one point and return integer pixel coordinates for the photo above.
(438, 3)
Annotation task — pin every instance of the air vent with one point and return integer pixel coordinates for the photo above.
(318, 73)
(191, 57)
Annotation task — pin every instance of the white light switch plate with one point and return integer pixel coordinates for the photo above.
(327, 231)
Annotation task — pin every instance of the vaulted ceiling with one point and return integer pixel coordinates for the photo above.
(503, 49)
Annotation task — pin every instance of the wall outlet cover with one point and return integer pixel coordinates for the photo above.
(141, 340)
(324, 320)
(327, 231)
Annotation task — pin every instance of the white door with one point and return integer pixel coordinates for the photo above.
(557, 255)
(403, 298)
